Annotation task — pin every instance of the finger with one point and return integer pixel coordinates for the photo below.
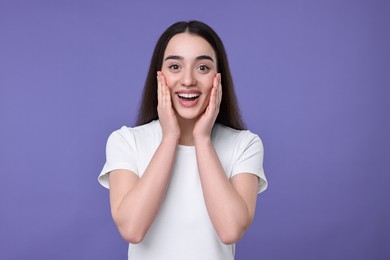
(159, 87)
(213, 95)
(215, 99)
(219, 89)
(165, 90)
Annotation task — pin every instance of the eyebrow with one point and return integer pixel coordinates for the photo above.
(204, 57)
(177, 57)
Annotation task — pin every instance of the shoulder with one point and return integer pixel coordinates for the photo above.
(227, 135)
(130, 134)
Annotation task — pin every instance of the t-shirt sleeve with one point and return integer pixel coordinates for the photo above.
(250, 158)
(120, 154)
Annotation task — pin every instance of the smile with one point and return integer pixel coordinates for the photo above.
(188, 96)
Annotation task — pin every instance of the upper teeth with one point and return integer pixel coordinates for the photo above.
(188, 95)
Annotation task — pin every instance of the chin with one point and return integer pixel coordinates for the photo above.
(188, 116)
(189, 113)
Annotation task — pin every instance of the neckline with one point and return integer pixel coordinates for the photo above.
(185, 147)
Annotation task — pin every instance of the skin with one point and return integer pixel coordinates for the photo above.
(189, 64)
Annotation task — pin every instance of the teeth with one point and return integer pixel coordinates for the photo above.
(189, 95)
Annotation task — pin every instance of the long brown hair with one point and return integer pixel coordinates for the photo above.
(229, 114)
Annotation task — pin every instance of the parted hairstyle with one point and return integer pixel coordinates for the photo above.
(229, 114)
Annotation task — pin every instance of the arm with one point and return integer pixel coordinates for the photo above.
(230, 203)
(135, 201)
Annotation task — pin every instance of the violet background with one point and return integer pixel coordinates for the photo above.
(312, 78)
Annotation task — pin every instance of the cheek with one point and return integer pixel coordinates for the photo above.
(208, 83)
(208, 87)
(169, 80)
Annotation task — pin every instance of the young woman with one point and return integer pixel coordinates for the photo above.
(183, 182)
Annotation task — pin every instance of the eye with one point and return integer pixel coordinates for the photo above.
(174, 67)
(204, 68)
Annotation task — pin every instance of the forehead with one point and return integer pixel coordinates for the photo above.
(188, 46)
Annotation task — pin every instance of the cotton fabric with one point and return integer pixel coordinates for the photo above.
(182, 228)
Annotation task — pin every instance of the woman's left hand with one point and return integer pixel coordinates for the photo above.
(205, 122)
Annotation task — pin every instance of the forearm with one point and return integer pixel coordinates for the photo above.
(138, 208)
(227, 210)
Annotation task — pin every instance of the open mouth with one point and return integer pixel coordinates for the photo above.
(188, 96)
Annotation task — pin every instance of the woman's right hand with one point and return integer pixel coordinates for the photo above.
(166, 114)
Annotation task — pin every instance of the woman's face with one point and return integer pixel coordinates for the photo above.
(189, 67)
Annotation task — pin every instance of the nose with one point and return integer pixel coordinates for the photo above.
(188, 79)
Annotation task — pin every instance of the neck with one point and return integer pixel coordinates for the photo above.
(186, 129)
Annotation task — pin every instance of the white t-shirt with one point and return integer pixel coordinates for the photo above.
(182, 228)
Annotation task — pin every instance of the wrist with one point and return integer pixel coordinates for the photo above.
(171, 139)
(202, 140)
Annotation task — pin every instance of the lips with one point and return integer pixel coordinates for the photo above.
(188, 98)
(188, 95)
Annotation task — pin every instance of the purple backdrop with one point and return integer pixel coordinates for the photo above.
(312, 79)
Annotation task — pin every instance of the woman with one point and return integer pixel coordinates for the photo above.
(183, 183)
